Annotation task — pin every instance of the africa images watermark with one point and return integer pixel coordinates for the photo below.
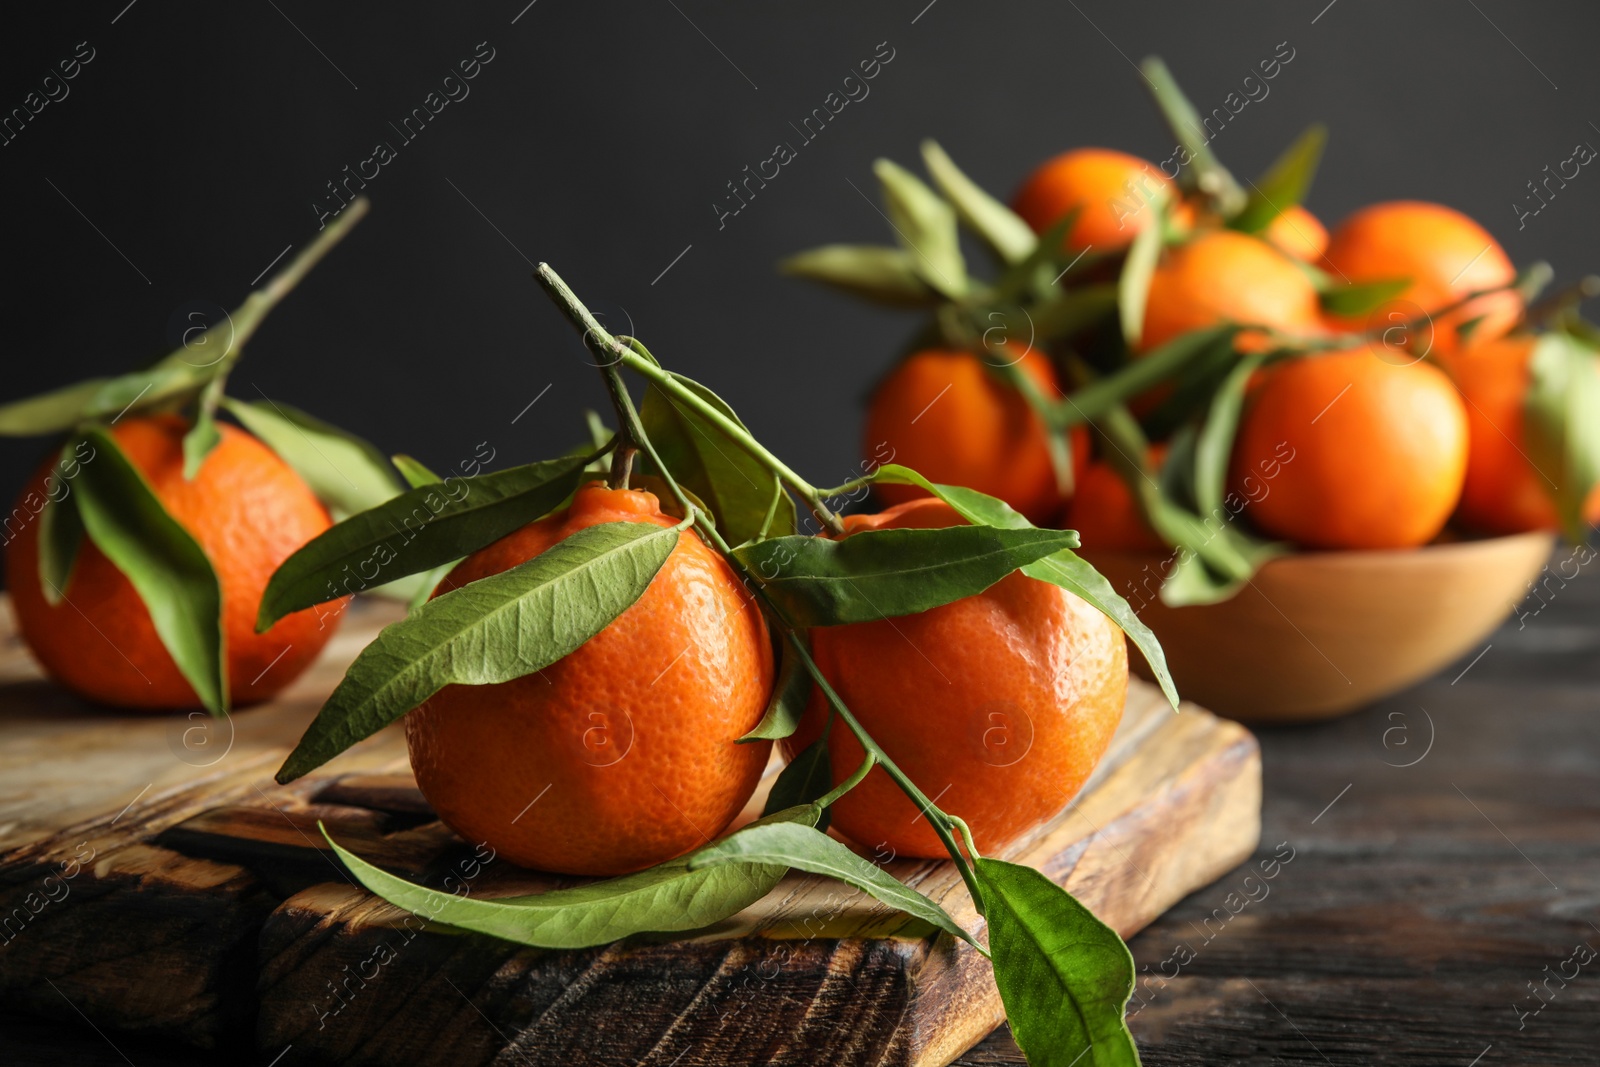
(52, 89)
(452, 89)
(1138, 188)
(811, 126)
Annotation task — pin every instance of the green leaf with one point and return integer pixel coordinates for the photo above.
(712, 465)
(1001, 228)
(420, 529)
(414, 472)
(166, 566)
(345, 472)
(878, 574)
(1072, 311)
(52, 412)
(1064, 976)
(1285, 183)
(1063, 568)
(1562, 430)
(492, 630)
(60, 536)
(1204, 173)
(1133, 287)
(805, 849)
(203, 436)
(804, 780)
(1214, 446)
(926, 227)
(663, 899)
(1174, 357)
(1349, 299)
(884, 275)
(788, 702)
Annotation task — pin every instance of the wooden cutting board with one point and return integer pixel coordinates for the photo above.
(156, 880)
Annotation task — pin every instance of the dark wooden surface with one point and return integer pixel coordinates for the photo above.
(1415, 913)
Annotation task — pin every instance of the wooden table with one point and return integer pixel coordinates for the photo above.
(1445, 852)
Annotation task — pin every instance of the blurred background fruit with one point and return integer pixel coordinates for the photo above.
(1115, 195)
(1445, 255)
(1226, 276)
(1378, 450)
(948, 416)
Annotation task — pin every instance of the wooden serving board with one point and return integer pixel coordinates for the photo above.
(158, 886)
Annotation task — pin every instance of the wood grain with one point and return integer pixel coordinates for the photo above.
(210, 911)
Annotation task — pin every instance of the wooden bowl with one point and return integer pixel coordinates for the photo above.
(1318, 634)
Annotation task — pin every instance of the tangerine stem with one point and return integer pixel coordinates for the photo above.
(603, 344)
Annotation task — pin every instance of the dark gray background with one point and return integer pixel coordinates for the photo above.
(601, 134)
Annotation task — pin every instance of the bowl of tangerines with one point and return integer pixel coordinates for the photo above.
(1319, 466)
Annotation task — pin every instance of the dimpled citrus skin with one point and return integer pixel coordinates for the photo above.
(998, 705)
(1225, 276)
(249, 512)
(622, 754)
(1113, 192)
(1445, 254)
(1504, 493)
(949, 418)
(1378, 451)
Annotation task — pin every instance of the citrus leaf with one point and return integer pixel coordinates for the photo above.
(492, 630)
(804, 780)
(805, 849)
(345, 472)
(420, 529)
(166, 566)
(1091, 401)
(926, 227)
(1204, 173)
(1072, 311)
(885, 275)
(1285, 183)
(1350, 299)
(1064, 976)
(1001, 228)
(788, 702)
(145, 389)
(52, 412)
(203, 435)
(60, 536)
(413, 471)
(1562, 430)
(712, 465)
(878, 574)
(663, 899)
(1133, 287)
(1214, 446)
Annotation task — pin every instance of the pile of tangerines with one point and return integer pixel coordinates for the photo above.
(1374, 388)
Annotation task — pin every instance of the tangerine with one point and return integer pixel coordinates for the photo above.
(1105, 514)
(1363, 452)
(998, 705)
(1297, 232)
(949, 417)
(1504, 492)
(1446, 256)
(1226, 276)
(247, 509)
(622, 754)
(1115, 193)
